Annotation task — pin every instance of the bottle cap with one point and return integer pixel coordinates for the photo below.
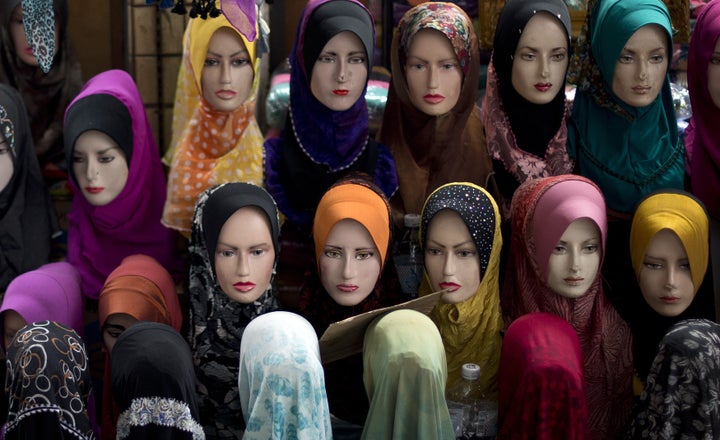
(411, 220)
(471, 371)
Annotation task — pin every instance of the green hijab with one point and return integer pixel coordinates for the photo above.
(628, 151)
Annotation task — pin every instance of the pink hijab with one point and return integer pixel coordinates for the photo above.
(703, 135)
(101, 236)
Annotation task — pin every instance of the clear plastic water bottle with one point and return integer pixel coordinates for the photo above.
(408, 257)
(473, 415)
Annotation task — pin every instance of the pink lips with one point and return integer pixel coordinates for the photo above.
(573, 281)
(669, 299)
(341, 92)
(347, 288)
(543, 87)
(94, 189)
(225, 94)
(244, 286)
(433, 99)
(642, 89)
(450, 287)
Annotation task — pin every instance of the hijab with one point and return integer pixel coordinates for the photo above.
(215, 146)
(703, 134)
(628, 151)
(542, 210)
(51, 292)
(319, 145)
(216, 322)
(526, 140)
(471, 329)
(99, 237)
(154, 385)
(48, 384)
(27, 217)
(683, 214)
(433, 150)
(142, 288)
(45, 94)
(541, 388)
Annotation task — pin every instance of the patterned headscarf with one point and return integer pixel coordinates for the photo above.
(216, 322)
(542, 210)
(471, 330)
(48, 383)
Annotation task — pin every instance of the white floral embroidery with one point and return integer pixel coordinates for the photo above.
(161, 411)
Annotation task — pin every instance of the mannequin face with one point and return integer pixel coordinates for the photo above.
(713, 74)
(433, 73)
(6, 163)
(227, 75)
(575, 259)
(340, 72)
(451, 258)
(641, 67)
(540, 60)
(100, 167)
(665, 278)
(350, 263)
(17, 33)
(113, 327)
(245, 256)
(12, 323)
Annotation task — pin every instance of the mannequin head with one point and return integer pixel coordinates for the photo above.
(228, 72)
(575, 260)
(23, 49)
(7, 167)
(713, 75)
(12, 322)
(432, 72)
(99, 166)
(113, 327)
(451, 257)
(340, 72)
(641, 66)
(244, 255)
(541, 59)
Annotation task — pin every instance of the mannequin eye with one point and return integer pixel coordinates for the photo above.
(591, 248)
(332, 253)
(652, 265)
(433, 251)
(559, 249)
(257, 252)
(357, 60)
(106, 159)
(364, 255)
(465, 253)
(715, 60)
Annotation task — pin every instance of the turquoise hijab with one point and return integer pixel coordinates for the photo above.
(627, 151)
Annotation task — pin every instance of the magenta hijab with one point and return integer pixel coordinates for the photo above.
(49, 293)
(703, 134)
(100, 237)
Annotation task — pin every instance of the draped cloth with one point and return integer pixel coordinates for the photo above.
(541, 212)
(702, 136)
(470, 330)
(430, 151)
(100, 237)
(213, 146)
(27, 217)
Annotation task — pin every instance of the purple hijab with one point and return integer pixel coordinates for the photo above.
(101, 236)
(49, 293)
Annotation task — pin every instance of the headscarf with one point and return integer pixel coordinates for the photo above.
(46, 95)
(684, 215)
(541, 386)
(542, 210)
(217, 322)
(628, 151)
(703, 134)
(433, 150)
(142, 288)
(286, 397)
(405, 374)
(99, 237)
(319, 145)
(27, 217)
(525, 140)
(471, 329)
(153, 383)
(51, 292)
(48, 384)
(681, 396)
(215, 146)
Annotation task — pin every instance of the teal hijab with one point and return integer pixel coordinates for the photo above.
(627, 151)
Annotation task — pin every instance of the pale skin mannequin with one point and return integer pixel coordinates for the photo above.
(17, 33)
(713, 74)
(349, 263)
(340, 72)
(641, 67)
(575, 260)
(113, 327)
(100, 167)
(665, 278)
(12, 323)
(433, 73)
(228, 74)
(6, 163)
(245, 256)
(451, 258)
(540, 60)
